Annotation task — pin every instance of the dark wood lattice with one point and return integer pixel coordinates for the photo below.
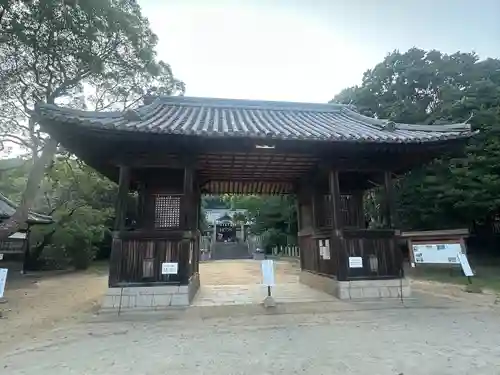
(148, 262)
(167, 211)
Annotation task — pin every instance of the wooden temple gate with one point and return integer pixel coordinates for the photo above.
(173, 150)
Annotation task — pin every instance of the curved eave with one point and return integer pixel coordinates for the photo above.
(152, 118)
(33, 217)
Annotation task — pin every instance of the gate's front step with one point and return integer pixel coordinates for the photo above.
(242, 310)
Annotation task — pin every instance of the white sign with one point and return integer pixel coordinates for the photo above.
(355, 262)
(3, 280)
(169, 268)
(464, 262)
(446, 253)
(267, 266)
(1, 256)
(326, 250)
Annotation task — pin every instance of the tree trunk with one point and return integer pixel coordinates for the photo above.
(47, 238)
(35, 177)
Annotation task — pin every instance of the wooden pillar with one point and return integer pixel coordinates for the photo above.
(119, 225)
(188, 206)
(187, 256)
(389, 201)
(334, 187)
(121, 201)
(357, 196)
(317, 211)
(299, 216)
(337, 247)
(26, 258)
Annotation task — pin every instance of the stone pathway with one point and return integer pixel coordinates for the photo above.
(245, 272)
(230, 250)
(216, 295)
(238, 282)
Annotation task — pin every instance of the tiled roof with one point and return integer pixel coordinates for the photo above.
(7, 209)
(256, 119)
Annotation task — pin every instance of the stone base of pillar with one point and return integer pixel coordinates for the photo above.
(151, 298)
(358, 289)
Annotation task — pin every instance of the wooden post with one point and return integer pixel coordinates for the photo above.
(357, 196)
(26, 259)
(121, 201)
(299, 218)
(389, 201)
(315, 223)
(188, 206)
(186, 269)
(333, 182)
(317, 213)
(337, 249)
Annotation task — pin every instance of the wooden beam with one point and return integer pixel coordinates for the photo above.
(121, 201)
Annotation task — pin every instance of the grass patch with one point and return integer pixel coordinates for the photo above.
(486, 277)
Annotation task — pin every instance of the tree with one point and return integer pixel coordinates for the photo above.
(272, 217)
(431, 87)
(81, 203)
(58, 51)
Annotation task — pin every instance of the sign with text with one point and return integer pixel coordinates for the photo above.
(324, 249)
(464, 262)
(169, 268)
(267, 266)
(445, 253)
(355, 262)
(3, 280)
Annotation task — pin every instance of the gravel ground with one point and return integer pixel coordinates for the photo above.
(49, 330)
(411, 342)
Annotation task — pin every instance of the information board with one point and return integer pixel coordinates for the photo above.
(3, 280)
(324, 249)
(355, 262)
(169, 268)
(446, 253)
(267, 266)
(464, 262)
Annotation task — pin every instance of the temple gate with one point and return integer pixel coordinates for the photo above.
(174, 149)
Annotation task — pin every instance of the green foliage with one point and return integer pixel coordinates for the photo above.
(214, 201)
(94, 53)
(272, 217)
(431, 87)
(82, 204)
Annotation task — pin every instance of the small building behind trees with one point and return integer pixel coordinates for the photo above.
(15, 250)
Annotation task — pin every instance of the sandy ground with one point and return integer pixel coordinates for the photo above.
(244, 272)
(378, 342)
(37, 303)
(46, 330)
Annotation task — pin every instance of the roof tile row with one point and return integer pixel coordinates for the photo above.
(257, 119)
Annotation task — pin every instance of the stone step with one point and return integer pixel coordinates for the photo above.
(242, 310)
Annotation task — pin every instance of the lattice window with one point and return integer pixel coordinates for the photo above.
(167, 211)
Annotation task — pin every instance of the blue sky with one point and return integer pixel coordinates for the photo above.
(307, 50)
